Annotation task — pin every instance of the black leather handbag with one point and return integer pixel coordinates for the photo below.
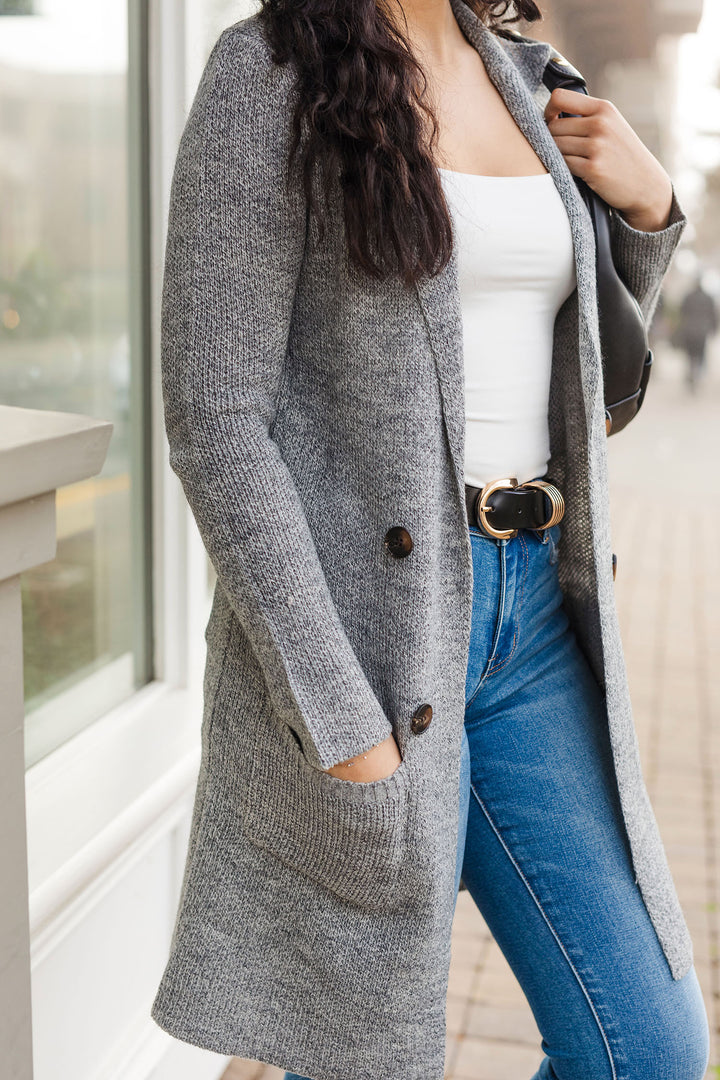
(626, 355)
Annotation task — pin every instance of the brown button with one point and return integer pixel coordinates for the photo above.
(398, 541)
(421, 719)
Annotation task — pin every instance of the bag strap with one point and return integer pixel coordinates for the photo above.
(560, 72)
(626, 354)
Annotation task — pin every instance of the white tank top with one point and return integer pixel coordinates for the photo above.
(516, 267)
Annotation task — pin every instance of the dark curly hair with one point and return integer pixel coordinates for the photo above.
(360, 108)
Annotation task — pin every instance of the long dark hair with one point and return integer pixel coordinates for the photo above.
(360, 108)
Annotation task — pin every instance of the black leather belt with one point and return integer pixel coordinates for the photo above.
(504, 506)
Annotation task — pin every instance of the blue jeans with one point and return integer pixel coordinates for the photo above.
(542, 846)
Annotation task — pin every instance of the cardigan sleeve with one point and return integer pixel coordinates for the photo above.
(234, 248)
(643, 258)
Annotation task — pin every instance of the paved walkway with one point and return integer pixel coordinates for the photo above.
(668, 592)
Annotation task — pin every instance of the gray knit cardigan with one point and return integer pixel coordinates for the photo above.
(309, 410)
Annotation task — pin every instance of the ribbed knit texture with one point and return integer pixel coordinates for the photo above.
(308, 411)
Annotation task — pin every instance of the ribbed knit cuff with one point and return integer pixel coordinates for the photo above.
(643, 258)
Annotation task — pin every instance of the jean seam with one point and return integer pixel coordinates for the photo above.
(550, 927)
(498, 624)
(526, 563)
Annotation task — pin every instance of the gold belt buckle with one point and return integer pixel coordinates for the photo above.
(482, 509)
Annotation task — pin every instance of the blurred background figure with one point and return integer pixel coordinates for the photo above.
(697, 321)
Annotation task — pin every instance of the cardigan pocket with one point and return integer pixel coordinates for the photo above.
(349, 837)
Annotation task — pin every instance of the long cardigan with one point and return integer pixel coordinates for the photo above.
(311, 412)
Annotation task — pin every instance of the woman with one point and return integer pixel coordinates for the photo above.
(398, 689)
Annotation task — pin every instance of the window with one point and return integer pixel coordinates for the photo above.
(73, 338)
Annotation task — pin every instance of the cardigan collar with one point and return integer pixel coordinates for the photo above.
(529, 56)
(516, 69)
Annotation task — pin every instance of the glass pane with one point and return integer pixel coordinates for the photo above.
(67, 270)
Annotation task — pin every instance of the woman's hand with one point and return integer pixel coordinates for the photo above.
(602, 149)
(380, 762)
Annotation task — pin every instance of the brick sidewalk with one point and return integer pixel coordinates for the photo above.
(668, 592)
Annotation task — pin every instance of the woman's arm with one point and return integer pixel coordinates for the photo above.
(647, 222)
(234, 248)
